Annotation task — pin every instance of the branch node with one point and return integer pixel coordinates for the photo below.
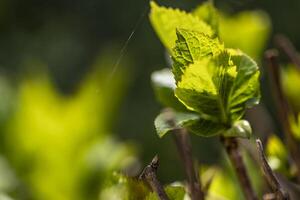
(149, 175)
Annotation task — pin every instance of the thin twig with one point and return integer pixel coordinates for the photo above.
(232, 149)
(282, 106)
(288, 48)
(278, 191)
(183, 144)
(149, 174)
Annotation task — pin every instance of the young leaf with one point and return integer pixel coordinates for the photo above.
(192, 46)
(163, 126)
(191, 121)
(245, 91)
(205, 85)
(219, 85)
(166, 20)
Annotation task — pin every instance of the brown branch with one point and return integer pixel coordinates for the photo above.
(278, 191)
(282, 106)
(288, 48)
(184, 148)
(149, 174)
(183, 144)
(232, 149)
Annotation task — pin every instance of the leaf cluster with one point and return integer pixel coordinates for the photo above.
(214, 84)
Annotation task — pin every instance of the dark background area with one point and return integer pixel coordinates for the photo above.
(68, 35)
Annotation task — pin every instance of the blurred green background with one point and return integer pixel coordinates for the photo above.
(76, 98)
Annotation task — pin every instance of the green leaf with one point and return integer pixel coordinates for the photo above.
(219, 86)
(208, 13)
(245, 91)
(205, 85)
(247, 31)
(163, 125)
(239, 128)
(191, 121)
(164, 85)
(192, 46)
(166, 20)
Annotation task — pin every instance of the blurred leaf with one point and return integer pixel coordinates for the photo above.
(223, 187)
(124, 188)
(276, 148)
(8, 179)
(173, 192)
(224, 184)
(5, 197)
(295, 125)
(165, 21)
(290, 77)
(208, 13)
(52, 138)
(247, 31)
(164, 84)
(206, 176)
(120, 154)
(277, 155)
(7, 101)
(121, 187)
